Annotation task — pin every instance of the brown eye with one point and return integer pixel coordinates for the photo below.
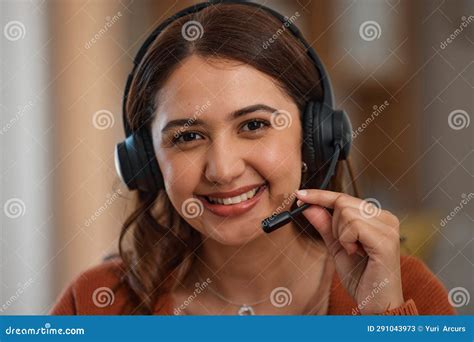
(255, 125)
(186, 137)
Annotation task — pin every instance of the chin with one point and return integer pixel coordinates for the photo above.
(236, 235)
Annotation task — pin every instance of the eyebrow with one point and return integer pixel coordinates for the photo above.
(232, 116)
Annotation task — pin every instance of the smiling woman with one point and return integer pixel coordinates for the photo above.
(229, 149)
(213, 107)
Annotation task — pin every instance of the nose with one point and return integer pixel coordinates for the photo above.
(224, 163)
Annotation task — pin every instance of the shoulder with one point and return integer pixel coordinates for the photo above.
(97, 291)
(420, 284)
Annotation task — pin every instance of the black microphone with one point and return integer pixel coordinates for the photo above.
(274, 222)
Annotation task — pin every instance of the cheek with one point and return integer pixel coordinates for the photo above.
(282, 158)
(179, 176)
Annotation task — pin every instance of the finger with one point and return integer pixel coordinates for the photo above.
(341, 217)
(354, 232)
(321, 220)
(379, 230)
(390, 219)
(351, 214)
(342, 210)
(374, 239)
(382, 224)
(335, 200)
(325, 198)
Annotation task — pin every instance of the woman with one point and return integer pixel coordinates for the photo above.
(208, 103)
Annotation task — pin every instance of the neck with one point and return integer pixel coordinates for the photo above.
(249, 273)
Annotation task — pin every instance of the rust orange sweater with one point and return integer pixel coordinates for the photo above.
(423, 292)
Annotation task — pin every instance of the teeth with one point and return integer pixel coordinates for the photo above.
(234, 200)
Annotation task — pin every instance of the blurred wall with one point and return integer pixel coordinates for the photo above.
(89, 53)
(27, 159)
(446, 169)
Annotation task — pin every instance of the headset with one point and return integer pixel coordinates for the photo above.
(327, 132)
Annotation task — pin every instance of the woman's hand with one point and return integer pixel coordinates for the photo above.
(364, 242)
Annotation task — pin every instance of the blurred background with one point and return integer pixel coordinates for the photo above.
(403, 70)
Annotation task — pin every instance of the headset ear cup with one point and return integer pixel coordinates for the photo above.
(156, 176)
(343, 132)
(310, 145)
(136, 162)
(123, 165)
(144, 176)
(323, 127)
(325, 136)
(133, 174)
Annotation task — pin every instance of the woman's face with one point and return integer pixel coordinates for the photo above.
(236, 130)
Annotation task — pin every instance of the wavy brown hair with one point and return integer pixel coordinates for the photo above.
(161, 243)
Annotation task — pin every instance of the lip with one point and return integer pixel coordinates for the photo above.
(233, 193)
(234, 209)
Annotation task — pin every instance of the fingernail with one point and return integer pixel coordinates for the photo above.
(299, 203)
(302, 192)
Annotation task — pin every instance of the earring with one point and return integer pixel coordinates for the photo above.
(304, 167)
